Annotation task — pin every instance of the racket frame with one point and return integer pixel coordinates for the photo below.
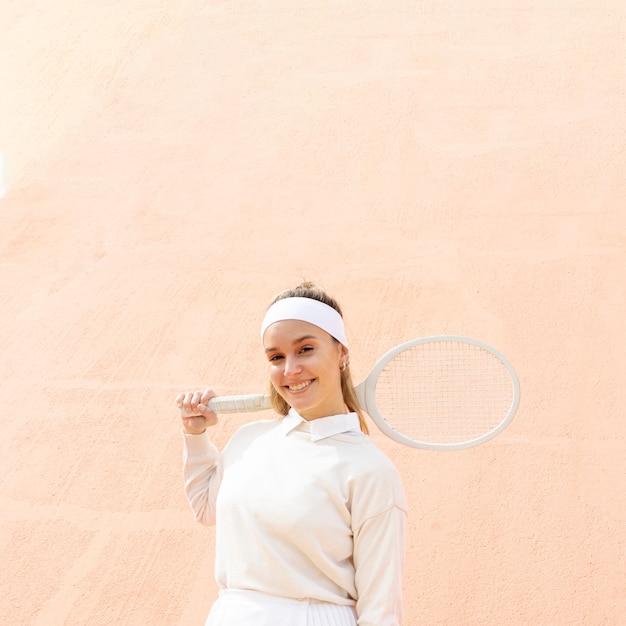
(366, 393)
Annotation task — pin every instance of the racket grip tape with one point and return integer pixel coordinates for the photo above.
(240, 404)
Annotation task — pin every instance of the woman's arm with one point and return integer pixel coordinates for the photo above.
(379, 545)
(202, 472)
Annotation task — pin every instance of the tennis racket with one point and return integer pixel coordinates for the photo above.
(435, 393)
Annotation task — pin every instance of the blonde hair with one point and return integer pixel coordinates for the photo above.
(308, 289)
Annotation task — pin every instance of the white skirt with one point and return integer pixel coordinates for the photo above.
(237, 607)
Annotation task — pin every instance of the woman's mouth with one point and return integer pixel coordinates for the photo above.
(299, 386)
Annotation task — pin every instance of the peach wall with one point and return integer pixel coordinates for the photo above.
(449, 166)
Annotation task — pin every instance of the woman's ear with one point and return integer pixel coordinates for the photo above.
(344, 357)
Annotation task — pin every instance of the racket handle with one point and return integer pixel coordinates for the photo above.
(240, 404)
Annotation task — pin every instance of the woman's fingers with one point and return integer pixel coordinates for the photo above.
(206, 396)
(203, 407)
(190, 402)
(195, 412)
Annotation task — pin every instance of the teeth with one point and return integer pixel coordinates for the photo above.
(300, 386)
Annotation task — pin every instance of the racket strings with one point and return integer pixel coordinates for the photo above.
(444, 392)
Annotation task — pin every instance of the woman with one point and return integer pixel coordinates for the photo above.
(310, 515)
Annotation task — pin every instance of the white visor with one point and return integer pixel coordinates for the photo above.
(306, 310)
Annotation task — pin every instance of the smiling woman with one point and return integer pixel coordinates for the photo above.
(310, 515)
(307, 301)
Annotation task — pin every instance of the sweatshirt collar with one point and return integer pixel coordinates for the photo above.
(322, 427)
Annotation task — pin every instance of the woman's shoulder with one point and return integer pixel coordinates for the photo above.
(366, 453)
(251, 431)
(374, 477)
(256, 428)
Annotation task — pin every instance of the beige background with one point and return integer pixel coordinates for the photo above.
(450, 166)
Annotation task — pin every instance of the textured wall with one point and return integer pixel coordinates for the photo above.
(453, 166)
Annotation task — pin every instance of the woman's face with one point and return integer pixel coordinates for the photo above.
(304, 367)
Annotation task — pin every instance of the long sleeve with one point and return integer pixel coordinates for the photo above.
(202, 474)
(379, 561)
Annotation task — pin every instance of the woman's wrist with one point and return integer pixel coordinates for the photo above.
(186, 432)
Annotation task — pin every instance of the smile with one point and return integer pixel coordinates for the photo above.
(300, 386)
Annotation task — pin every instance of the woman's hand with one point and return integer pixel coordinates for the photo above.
(194, 411)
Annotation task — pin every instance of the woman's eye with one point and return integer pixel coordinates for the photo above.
(306, 349)
(275, 357)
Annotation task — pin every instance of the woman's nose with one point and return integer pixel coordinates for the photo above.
(292, 367)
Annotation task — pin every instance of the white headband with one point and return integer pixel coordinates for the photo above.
(306, 310)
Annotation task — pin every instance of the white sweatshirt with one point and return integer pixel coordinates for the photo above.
(303, 510)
